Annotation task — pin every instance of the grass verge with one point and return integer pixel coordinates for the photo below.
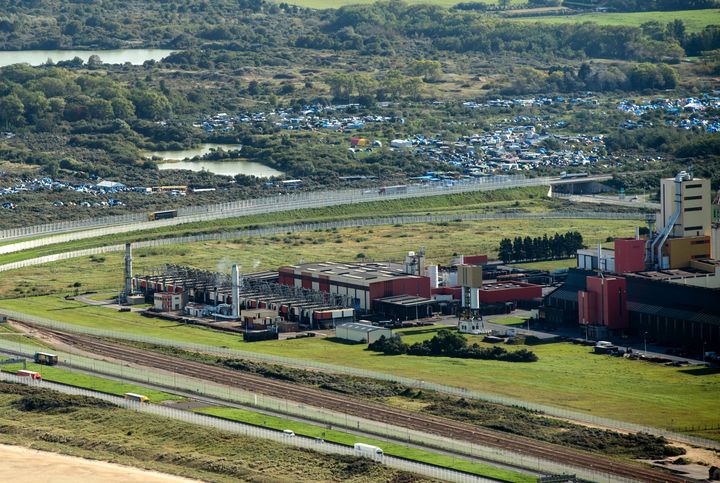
(393, 449)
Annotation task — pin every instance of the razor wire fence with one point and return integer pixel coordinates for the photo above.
(329, 418)
(365, 373)
(276, 203)
(251, 431)
(299, 228)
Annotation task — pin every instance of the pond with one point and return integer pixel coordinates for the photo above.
(230, 167)
(117, 56)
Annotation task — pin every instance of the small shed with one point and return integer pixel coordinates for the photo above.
(357, 332)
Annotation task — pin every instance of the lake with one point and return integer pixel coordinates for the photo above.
(231, 167)
(117, 56)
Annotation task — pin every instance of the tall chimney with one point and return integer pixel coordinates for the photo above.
(235, 276)
(128, 270)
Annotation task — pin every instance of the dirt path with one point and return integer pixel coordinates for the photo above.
(24, 465)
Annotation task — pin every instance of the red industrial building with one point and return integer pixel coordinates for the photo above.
(629, 255)
(363, 282)
(500, 292)
(604, 302)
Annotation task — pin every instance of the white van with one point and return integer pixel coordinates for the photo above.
(289, 433)
(368, 451)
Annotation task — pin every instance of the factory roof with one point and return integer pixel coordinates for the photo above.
(405, 300)
(361, 327)
(357, 273)
(506, 285)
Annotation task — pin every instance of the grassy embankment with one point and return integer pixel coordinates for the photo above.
(531, 199)
(88, 428)
(567, 375)
(695, 20)
(384, 242)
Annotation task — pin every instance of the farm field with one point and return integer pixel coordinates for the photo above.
(93, 383)
(384, 242)
(348, 439)
(93, 430)
(566, 375)
(695, 20)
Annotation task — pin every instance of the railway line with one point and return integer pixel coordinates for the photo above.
(365, 409)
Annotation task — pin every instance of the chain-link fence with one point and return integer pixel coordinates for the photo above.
(328, 418)
(313, 444)
(287, 202)
(299, 228)
(313, 365)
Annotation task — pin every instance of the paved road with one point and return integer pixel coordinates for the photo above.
(293, 201)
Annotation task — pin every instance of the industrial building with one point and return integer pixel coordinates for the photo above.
(219, 297)
(362, 283)
(665, 288)
(361, 332)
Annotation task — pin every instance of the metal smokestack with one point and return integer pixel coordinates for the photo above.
(235, 280)
(128, 270)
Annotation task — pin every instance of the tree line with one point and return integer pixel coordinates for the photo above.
(450, 344)
(545, 247)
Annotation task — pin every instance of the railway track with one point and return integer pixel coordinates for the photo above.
(365, 409)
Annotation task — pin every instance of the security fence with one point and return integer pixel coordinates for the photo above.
(295, 228)
(283, 202)
(313, 444)
(313, 365)
(321, 415)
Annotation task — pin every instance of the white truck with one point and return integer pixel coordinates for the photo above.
(368, 451)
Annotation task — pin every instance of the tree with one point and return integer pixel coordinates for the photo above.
(150, 104)
(429, 70)
(123, 108)
(11, 111)
(505, 252)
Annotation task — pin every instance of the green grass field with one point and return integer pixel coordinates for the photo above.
(695, 20)
(341, 437)
(93, 383)
(531, 199)
(385, 242)
(548, 264)
(566, 375)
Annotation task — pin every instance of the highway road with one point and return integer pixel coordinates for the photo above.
(77, 230)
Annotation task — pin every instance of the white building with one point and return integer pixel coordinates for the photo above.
(357, 332)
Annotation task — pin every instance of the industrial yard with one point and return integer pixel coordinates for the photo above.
(165, 313)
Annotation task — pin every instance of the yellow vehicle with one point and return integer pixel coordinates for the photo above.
(131, 396)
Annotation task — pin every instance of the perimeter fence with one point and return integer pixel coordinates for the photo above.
(251, 431)
(328, 418)
(284, 202)
(353, 371)
(297, 228)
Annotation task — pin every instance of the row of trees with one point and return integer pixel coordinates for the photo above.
(540, 248)
(447, 343)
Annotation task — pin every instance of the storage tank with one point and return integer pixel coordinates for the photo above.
(434, 275)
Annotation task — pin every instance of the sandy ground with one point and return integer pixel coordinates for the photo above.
(24, 465)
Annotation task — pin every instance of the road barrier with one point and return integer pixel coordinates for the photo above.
(277, 203)
(333, 368)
